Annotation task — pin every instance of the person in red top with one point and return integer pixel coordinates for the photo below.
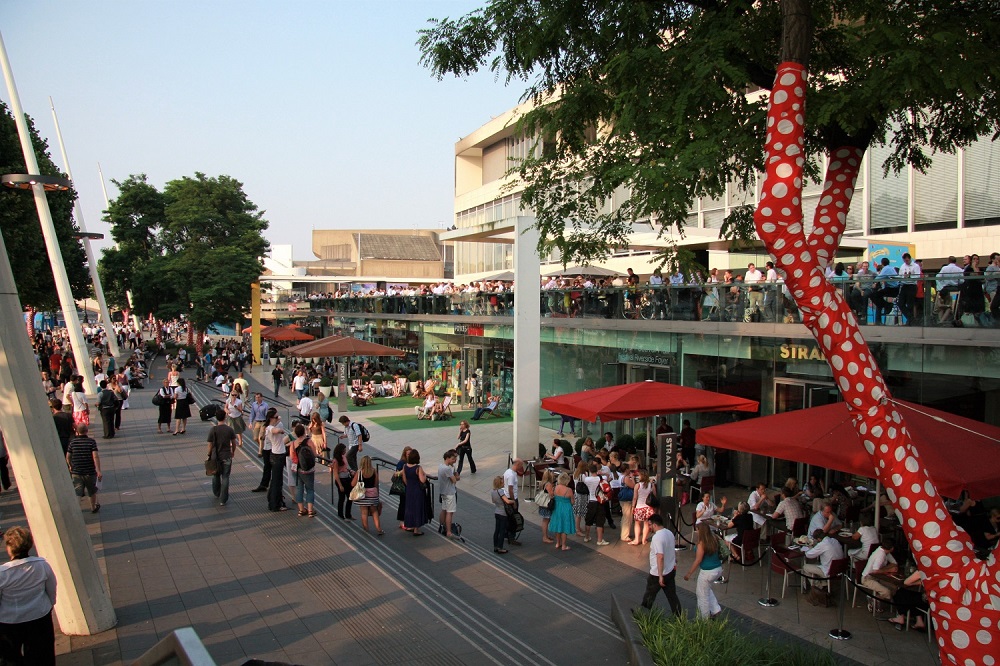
(55, 362)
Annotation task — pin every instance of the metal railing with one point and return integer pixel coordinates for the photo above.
(927, 301)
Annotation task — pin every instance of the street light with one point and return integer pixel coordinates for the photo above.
(25, 181)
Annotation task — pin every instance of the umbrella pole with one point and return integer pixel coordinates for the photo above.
(878, 509)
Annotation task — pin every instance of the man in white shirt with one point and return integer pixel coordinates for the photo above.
(510, 484)
(771, 291)
(299, 384)
(826, 551)
(909, 273)
(447, 478)
(880, 562)
(752, 278)
(758, 501)
(305, 408)
(662, 566)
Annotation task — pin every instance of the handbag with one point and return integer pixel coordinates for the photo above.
(190, 398)
(212, 465)
(157, 399)
(397, 488)
(357, 492)
(652, 501)
(542, 498)
(581, 488)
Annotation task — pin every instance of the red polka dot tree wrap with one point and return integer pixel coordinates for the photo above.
(964, 592)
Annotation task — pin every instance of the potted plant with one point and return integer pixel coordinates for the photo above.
(326, 385)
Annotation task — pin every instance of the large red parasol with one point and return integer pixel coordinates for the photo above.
(641, 399)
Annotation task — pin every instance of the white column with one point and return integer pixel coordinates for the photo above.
(83, 605)
(102, 304)
(527, 342)
(80, 351)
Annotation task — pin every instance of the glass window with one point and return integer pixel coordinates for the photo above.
(935, 194)
(888, 196)
(982, 183)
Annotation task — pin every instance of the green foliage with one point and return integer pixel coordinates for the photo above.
(578, 447)
(638, 440)
(326, 380)
(626, 442)
(193, 249)
(650, 98)
(678, 640)
(22, 231)
(413, 376)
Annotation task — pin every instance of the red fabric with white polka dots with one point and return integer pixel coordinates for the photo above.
(964, 592)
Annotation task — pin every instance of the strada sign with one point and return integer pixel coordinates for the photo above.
(475, 330)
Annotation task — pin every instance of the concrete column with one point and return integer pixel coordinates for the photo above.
(53, 511)
(255, 322)
(527, 342)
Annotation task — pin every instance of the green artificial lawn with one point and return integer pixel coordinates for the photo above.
(406, 401)
(410, 421)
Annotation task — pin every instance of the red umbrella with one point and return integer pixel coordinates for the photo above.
(640, 399)
(960, 454)
(289, 333)
(342, 346)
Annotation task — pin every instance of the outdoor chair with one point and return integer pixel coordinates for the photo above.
(706, 485)
(750, 544)
(786, 570)
(800, 526)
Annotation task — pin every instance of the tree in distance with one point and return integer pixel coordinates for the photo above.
(192, 250)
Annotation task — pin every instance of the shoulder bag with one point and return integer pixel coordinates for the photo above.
(397, 488)
(542, 498)
(358, 491)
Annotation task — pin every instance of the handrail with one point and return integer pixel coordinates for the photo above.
(690, 301)
(181, 646)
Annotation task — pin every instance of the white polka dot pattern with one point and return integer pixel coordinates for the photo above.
(964, 593)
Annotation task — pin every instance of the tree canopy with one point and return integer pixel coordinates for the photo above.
(22, 231)
(193, 249)
(665, 85)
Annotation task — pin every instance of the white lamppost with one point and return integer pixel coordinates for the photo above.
(48, 231)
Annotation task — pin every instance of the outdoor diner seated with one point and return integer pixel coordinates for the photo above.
(706, 508)
(826, 551)
(742, 521)
(759, 502)
(880, 562)
(907, 598)
(702, 469)
(425, 410)
(868, 536)
(789, 507)
(825, 520)
(493, 403)
(557, 456)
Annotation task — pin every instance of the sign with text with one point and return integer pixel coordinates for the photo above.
(476, 330)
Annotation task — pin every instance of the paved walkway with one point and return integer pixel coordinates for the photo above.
(321, 591)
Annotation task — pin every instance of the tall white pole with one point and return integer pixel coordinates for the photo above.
(63, 289)
(109, 328)
(136, 323)
(527, 345)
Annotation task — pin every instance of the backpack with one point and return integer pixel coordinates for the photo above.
(725, 554)
(307, 458)
(363, 432)
(581, 488)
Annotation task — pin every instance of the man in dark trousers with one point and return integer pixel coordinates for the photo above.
(63, 421)
(277, 375)
(108, 404)
(221, 443)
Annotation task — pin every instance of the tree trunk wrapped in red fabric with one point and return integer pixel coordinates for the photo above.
(964, 592)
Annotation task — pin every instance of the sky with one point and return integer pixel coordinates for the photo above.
(321, 109)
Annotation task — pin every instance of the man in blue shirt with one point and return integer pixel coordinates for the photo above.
(886, 286)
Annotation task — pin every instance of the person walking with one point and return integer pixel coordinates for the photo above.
(265, 452)
(416, 507)
(562, 522)
(221, 446)
(464, 447)
(258, 421)
(166, 407)
(182, 406)
(355, 443)
(447, 480)
(276, 376)
(707, 560)
(303, 451)
(106, 404)
(662, 566)
(342, 475)
(370, 504)
(27, 596)
(234, 413)
(500, 502)
(275, 434)
(84, 465)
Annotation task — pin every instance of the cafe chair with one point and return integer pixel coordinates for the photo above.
(800, 526)
(837, 569)
(926, 612)
(853, 516)
(707, 485)
(858, 567)
(743, 552)
(786, 570)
